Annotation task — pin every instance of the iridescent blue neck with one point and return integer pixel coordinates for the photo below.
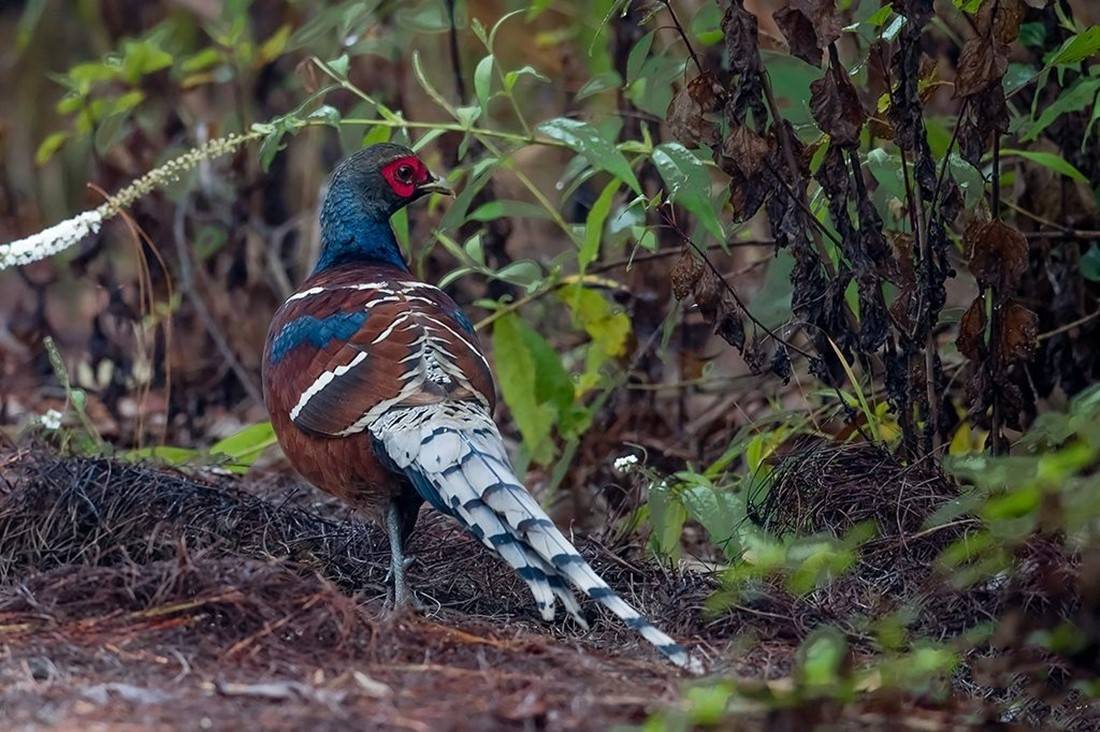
(355, 230)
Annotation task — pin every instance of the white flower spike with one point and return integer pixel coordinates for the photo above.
(48, 242)
(70, 232)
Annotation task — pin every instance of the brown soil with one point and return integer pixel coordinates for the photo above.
(139, 598)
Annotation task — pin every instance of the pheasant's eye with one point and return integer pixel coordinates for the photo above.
(405, 173)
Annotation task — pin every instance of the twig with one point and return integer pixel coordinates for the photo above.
(672, 252)
(1068, 326)
(916, 213)
(187, 284)
(683, 35)
(996, 441)
(799, 194)
(456, 57)
(1063, 231)
(733, 293)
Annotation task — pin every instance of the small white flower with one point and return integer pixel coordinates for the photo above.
(625, 463)
(51, 420)
(48, 242)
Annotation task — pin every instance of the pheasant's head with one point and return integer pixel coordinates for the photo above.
(364, 192)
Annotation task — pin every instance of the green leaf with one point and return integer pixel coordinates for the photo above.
(479, 31)
(377, 133)
(594, 224)
(688, 184)
(1076, 98)
(608, 329)
(1077, 48)
(968, 6)
(525, 273)
(599, 83)
(271, 146)
(516, 372)
(165, 454)
(339, 66)
(483, 80)
(597, 150)
(637, 56)
(1090, 264)
(326, 113)
(201, 61)
(512, 77)
(274, 46)
(140, 58)
(473, 249)
(429, 16)
(508, 209)
(467, 116)
(553, 385)
(1052, 161)
(244, 447)
(667, 514)
(49, 146)
(718, 511)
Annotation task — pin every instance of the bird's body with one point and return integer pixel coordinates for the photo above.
(380, 394)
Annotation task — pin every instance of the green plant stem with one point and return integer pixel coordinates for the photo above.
(450, 127)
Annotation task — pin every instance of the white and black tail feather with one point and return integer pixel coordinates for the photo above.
(454, 456)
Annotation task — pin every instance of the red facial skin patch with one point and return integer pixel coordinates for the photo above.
(405, 174)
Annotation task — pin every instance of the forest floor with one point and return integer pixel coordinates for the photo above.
(138, 598)
(133, 597)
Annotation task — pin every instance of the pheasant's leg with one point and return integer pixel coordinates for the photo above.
(402, 595)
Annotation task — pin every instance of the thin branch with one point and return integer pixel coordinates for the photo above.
(187, 285)
(456, 57)
(996, 439)
(683, 34)
(733, 293)
(672, 252)
(799, 192)
(1068, 326)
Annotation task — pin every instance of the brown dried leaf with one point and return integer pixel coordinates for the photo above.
(729, 325)
(707, 92)
(800, 34)
(836, 107)
(1000, 20)
(739, 27)
(981, 64)
(685, 273)
(881, 128)
(971, 338)
(746, 149)
(1019, 333)
(998, 254)
(687, 123)
(688, 110)
(708, 294)
(823, 15)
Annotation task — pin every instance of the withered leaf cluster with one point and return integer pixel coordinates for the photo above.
(981, 69)
(997, 333)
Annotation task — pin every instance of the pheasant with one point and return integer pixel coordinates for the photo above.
(380, 394)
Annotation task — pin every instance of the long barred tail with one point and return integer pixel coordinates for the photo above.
(455, 458)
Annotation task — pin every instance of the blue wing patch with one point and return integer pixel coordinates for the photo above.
(461, 319)
(315, 331)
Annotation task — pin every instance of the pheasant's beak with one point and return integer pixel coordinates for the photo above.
(435, 185)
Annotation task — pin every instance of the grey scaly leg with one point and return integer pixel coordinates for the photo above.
(402, 596)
